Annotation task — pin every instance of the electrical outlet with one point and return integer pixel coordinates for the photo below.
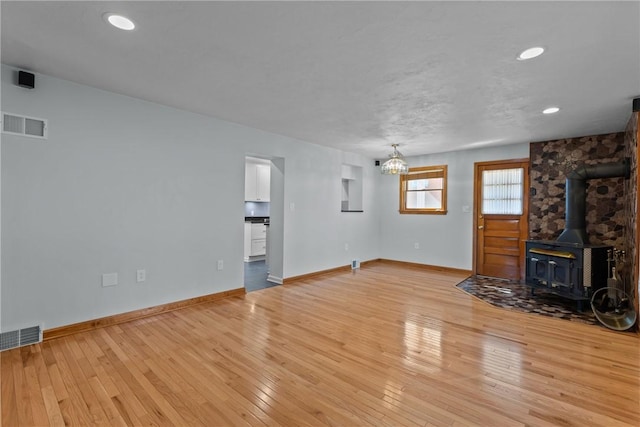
(109, 279)
(346, 246)
(220, 264)
(416, 245)
(141, 275)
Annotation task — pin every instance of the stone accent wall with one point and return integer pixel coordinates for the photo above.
(630, 273)
(550, 161)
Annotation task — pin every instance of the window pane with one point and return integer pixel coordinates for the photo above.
(416, 184)
(436, 183)
(502, 191)
(431, 199)
(424, 184)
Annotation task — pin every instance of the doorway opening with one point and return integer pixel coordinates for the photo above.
(263, 222)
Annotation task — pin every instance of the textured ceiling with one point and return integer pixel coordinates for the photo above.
(431, 76)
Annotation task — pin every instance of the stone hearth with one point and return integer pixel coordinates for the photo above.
(513, 295)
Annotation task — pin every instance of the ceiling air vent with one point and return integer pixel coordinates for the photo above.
(26, 126)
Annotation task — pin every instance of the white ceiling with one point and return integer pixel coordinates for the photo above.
(431, 76)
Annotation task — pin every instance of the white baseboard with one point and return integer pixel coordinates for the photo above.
(274, 279)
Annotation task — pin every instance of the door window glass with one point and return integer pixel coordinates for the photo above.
(502, 191)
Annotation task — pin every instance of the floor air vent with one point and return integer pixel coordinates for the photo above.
(21, 337)
(26, 126)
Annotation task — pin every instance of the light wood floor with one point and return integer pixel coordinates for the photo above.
(387, 346)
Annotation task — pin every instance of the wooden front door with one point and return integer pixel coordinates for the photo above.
(501, 207)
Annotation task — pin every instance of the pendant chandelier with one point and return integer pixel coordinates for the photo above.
(396, 164)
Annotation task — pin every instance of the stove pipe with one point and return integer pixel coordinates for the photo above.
(575, 230)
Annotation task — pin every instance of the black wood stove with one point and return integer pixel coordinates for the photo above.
(571, 270)
(571, 266)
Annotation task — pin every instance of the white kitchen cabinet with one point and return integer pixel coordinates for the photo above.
(250, 182)
(255, 241)
(258, 247)
(247, 240)
(258, 231)
(258, 239)
(263, 183)
(257, 182)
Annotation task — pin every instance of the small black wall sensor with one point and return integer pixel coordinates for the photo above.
(27, 80)
(636, 104)
(377, 163)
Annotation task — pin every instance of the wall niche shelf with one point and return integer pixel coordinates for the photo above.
(351, 189)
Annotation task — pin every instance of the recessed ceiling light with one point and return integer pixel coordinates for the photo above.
(550, 110)
(532, 52)
(119, 21)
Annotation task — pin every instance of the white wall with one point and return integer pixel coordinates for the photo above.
(1, 136)
(444, 240)
(316, 212)
(275, 241)
(123, 184)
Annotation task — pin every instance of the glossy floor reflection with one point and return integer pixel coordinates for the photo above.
(385, 345)
(255, 276)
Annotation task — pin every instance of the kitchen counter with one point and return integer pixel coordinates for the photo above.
(257, 219)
